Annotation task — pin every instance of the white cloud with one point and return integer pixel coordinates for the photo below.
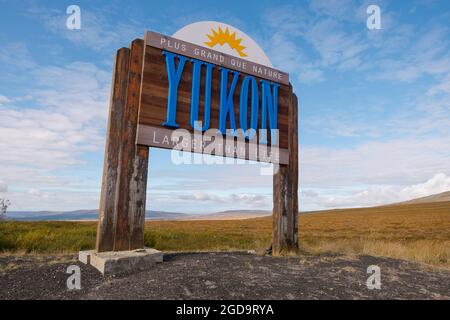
(379, 195)
(335, 46)
(48, 128)
(288, 20)
(287, 55)
(427, 55)
(35, 192)
(213, 178)
(437, 184)
(248, 198)
(206, 202)
(308, 193)
(337, 9)
(291, 25)
(233, 199)
(97, 31)
(392, 162)
(442, 88)
(72, 111)
(365, 174)
(425, 115)
(15, 56)
(400, 52)
(199, 196)
(64, 200)
(3, 187)
(4, 100)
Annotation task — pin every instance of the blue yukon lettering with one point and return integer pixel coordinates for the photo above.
(226, 99)
(269, 99)
(243, 107)
(174, 76)
(196, 77)
(269, 106)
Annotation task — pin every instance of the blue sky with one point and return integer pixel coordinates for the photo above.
(374, 104)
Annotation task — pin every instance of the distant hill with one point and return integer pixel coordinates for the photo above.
(440, 197)
(89, 215)
(83, 215)
(230, 215)
(80, 215)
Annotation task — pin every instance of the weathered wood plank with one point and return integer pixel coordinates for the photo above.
(293, 174)
(138, 192)
(130, 200)
(105, 234)
(285, 193)
(280, 210)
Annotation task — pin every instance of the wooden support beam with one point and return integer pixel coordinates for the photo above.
(293, 170)
(133, 161)
(138, 192)
(285, 192)
(107, 214)
(124, 185)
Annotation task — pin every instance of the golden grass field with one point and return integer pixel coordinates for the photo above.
(418, 232)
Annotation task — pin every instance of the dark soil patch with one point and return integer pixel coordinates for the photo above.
(225, 276)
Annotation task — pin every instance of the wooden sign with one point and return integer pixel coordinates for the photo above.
(199, 96)
(162, 84)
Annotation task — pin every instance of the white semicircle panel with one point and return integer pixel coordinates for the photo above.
(223, 38)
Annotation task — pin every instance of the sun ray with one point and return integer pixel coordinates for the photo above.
(221, 37)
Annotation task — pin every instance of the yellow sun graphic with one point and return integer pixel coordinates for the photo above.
(221, 37)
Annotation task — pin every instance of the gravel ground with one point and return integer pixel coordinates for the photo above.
(225, 276)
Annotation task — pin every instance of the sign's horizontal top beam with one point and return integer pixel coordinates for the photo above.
(174, 45)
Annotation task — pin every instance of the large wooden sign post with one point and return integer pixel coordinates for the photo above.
(162, 83)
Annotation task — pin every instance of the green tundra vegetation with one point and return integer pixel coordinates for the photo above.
(417, 232)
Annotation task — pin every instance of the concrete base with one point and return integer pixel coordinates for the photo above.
(116, 262)
(85, 256)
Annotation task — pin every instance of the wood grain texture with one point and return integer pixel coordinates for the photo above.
(107, 214)
(153, 108)
(293, 173)
(130, 199)
(285, 193)
(138, 192)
